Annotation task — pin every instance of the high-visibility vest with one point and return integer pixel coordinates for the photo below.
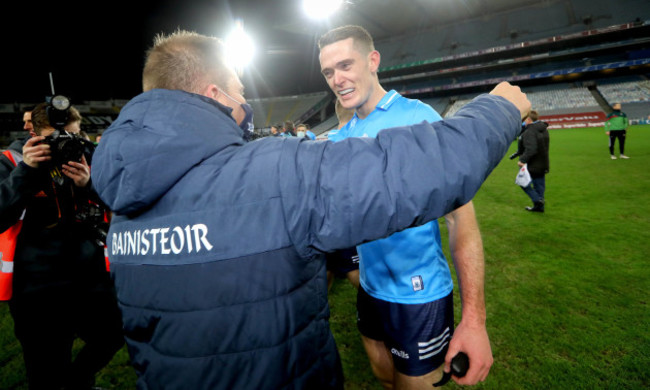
(8, 244)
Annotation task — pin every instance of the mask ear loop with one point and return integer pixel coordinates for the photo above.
(230, 97)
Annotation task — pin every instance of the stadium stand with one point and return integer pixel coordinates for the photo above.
(568, 56)
(550, 101)
(325, 126)
(626, 92)
(297, 108)
(562, 101)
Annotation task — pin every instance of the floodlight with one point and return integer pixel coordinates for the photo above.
(321, 9)
(240, 49)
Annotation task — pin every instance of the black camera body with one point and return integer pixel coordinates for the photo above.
(66, 147)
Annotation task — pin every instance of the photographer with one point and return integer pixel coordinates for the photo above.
(61, 289)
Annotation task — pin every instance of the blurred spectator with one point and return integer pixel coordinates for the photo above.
(288, 129)
(302, 130)
(616, 128)
(27, 119)
(532, 149)
(343, 114)
(74, 121)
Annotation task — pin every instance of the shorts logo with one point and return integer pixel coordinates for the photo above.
(417, 283)
(401, 354)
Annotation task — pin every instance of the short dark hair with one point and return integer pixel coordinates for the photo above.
(360, 36)
(40, 119)
(534, 116)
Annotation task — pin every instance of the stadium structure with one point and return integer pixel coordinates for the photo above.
(574, 59)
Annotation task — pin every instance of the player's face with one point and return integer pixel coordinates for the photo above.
(349, 73)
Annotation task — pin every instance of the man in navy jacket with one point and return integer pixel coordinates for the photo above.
(210, 299)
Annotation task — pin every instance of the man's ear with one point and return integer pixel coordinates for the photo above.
(211, 91)
(374, 58)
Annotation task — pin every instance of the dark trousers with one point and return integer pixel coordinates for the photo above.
(46, 324)
(535, 190)
(613, 135)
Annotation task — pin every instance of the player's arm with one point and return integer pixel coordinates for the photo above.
(405, 177)
(470, 336)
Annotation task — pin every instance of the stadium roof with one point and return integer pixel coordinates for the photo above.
(97, 53)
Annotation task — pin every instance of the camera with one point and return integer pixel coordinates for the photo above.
(64, 147)
(67, 147)
(92, 216)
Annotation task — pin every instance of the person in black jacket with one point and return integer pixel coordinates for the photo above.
(61, 288)
(532, 149)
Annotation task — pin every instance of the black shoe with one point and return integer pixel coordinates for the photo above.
(537, 207)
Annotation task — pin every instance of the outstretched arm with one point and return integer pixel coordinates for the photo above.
(470, 336)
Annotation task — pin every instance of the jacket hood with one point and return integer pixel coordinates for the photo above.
(157, 138)
(538, 126)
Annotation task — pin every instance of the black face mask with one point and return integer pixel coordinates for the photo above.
(247, 123)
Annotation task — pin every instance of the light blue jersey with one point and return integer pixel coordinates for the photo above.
(409, 266)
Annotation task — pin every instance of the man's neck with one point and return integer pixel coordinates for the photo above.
(375, 98)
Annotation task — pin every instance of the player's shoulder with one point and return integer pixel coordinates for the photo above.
(417, 107)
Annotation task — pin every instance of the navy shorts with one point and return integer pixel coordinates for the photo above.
(343, 261)
(417, 335)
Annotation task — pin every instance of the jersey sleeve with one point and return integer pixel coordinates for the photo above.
(424, 112)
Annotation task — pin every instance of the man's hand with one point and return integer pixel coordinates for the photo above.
(35, 153)
(474, 341)
(513, 94)
(520, 163)
(78, 172)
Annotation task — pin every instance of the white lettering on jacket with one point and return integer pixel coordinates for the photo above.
(162, 241)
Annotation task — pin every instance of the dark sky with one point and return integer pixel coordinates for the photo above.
(95, 50)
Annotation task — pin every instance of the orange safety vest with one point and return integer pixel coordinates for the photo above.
(8, 246)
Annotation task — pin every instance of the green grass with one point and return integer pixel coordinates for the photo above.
(566, 291)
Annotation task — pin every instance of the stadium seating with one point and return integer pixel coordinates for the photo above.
(626, 92)
(550, 101)
(270, 111)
